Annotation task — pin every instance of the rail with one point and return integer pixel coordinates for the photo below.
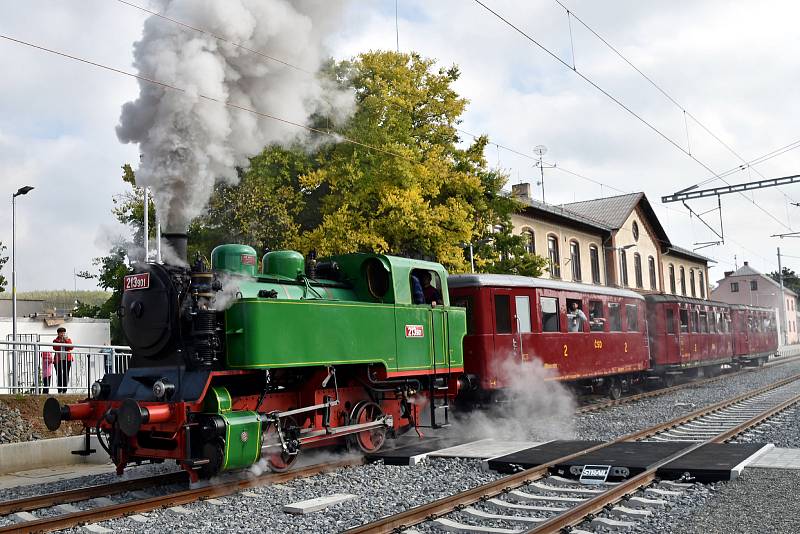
(45, 367)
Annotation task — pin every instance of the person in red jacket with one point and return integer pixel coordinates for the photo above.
(63, 359)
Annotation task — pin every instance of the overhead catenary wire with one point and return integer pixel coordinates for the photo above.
(195, 28)
(660, 89)
(202, 96)
(618, 102)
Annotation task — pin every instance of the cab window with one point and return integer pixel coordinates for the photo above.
(426, 287)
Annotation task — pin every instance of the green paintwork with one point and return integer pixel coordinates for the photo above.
(324, 322)
(286, 263)
(234, 259)
(242, 439)
(218, 400)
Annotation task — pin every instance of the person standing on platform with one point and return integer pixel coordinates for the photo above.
(47, 371)
(63, 359)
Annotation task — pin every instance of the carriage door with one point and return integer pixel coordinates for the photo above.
(506, 338)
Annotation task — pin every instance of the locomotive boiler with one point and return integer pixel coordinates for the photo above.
(232, 364)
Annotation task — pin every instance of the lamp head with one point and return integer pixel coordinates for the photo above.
(23, 190)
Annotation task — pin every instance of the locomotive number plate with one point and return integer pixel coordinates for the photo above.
(415, 330)
(137, 281)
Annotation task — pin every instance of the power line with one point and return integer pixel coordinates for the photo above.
(165, 85)
(618, 102)
(660, 89)
(287, 63)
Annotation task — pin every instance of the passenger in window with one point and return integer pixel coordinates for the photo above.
(596, 320)
(431, 294)
(417, 295)
(575, 318)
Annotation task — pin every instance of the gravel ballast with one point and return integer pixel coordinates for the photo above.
(13, 427)
(382, 490)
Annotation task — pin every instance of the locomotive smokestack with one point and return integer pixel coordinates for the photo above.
(178, 243)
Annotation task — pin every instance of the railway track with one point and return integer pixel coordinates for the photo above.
(627, 399)
(91, 505)
(534, 501)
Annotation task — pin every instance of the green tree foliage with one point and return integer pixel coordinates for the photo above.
(3, 260)
(421, 192)
(790, 279)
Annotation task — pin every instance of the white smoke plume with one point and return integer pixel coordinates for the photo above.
(534, 406)
(188, 143)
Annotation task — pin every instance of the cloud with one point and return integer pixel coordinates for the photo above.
(728, 63)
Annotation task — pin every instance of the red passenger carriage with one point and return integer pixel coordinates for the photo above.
(688, 333)
(519, 319)
(755, 333)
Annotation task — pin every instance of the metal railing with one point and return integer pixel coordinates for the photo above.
(46, 367)
(789, 350)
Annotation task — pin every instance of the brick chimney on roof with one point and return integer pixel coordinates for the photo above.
(745, 264)
(521, 191)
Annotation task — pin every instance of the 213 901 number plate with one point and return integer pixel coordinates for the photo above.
(137, 281)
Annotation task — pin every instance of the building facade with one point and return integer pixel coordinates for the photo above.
(749, 286)
(614, 241)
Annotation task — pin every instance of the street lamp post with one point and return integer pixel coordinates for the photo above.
(21, 191)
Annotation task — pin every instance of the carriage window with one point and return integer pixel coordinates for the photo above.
(703, 322)
(549, 314)
(712, 322)
(632, 315)
(695, 321)
(502, 314)
(576, 317)
(614, 321)
(465, 301)
(670, 321)
(684, 320)
(523, 313)
(597, 321)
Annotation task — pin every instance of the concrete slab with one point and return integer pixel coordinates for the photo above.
(662, 492)
(29, 455)
(536, 497)
(250, 494)
(777, 458)
(96, 529)
(67, 508)
(484, 448)
(98, 502)
(630, 513)
(23, 517)
(611, 524)
(180, 510)
(454, 526)
(139, 518)
(215, 502)
(564, 489)
(644, 502)
(474, 512)
(45, 475)
(314, 505)
(526, 507)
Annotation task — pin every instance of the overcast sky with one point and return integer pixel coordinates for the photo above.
(730, 64)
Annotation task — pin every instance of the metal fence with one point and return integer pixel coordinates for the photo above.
(789, 350)
(28, 366)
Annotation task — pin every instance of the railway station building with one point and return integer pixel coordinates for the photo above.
(614, 241)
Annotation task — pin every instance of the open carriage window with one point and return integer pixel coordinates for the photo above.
(695, 321)
(523, 307)
(576, 317)
(597, 320)
(703, 322)
(549, 314)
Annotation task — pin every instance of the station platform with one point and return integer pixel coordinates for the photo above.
(777, 458)
(710, 463)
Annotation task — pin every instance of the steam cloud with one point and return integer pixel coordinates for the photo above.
(189, 143)
(536, 406)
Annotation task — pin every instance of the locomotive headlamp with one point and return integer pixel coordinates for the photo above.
(163, 388)
(97, 390)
